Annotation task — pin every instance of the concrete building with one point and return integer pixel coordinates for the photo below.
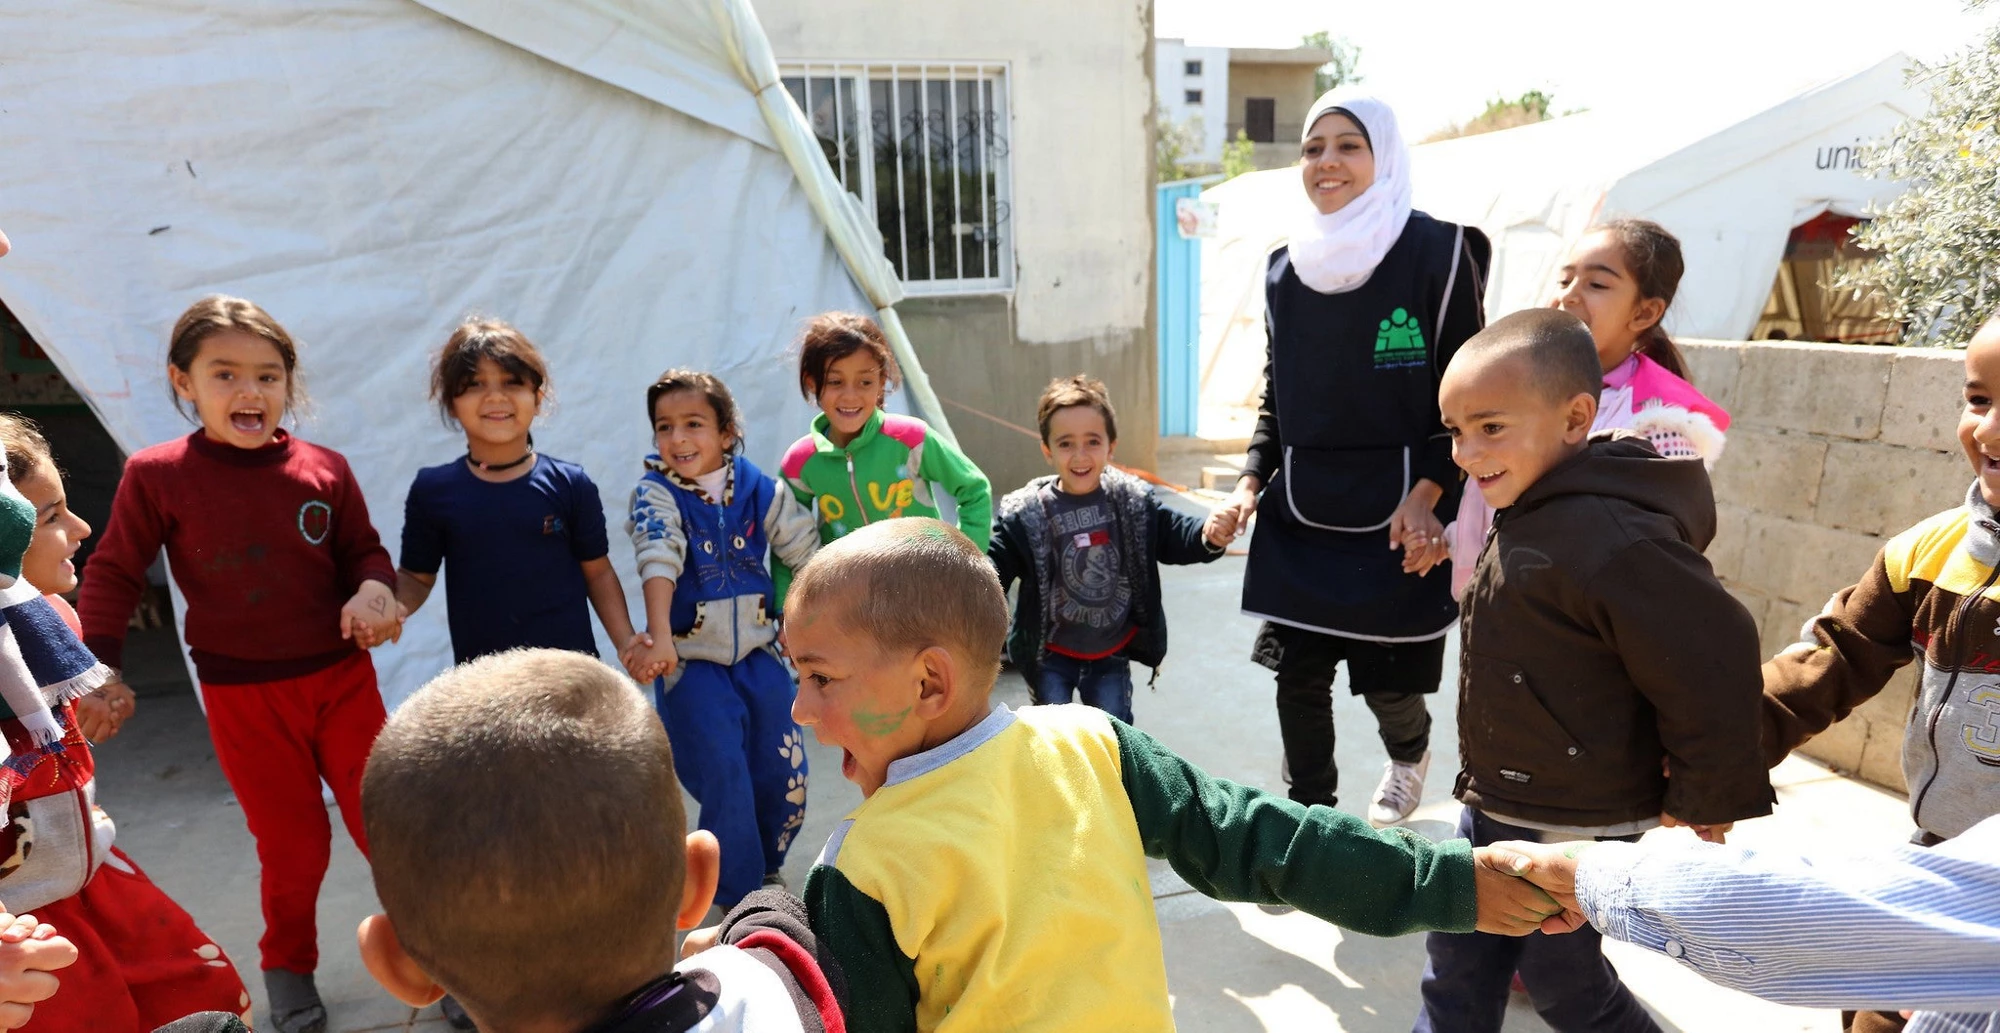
(1193, 88)
(1006, 150)
(1269, 94)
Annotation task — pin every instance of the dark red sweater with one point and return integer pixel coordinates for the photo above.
(267, 546)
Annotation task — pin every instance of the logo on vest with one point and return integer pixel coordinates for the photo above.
(1400, 342)
(1982, 732)
(315, 520)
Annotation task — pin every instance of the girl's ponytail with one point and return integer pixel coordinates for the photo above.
(1653, 256)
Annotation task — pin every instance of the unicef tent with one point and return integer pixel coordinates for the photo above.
(626, 181)
(1731, 187)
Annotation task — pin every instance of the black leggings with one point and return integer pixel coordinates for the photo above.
(1391, 677)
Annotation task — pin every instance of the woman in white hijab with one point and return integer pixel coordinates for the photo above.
(1350, 463)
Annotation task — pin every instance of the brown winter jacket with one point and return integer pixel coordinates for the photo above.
(1597, 642)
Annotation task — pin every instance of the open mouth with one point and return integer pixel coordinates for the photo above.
(247, 421)
(1485, 479)
(683, 458)
(848, 414)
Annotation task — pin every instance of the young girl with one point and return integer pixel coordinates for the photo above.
(702, 519)
(860, 464)
(522, 533)
(1619, 280)
(270, 543)
(142, 962)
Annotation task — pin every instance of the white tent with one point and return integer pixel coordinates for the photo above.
(626, 181)
(1731, 187)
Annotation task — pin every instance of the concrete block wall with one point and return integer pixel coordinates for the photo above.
(1832, 450)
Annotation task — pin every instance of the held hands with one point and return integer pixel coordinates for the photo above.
(646, 658)
(1509, 904)
(1414, 529)
(30, 954)
(1549, 866)
(1233, 518)
(100, 714)
(1216, 532)
(1706, 833)
(373, 617)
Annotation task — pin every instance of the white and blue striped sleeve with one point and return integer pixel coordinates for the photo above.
(1909, 928)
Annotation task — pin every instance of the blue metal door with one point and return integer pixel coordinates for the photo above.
(1177, 285)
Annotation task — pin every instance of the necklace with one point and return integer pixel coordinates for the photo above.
(497, 467)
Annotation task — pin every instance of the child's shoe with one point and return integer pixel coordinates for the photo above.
(454, 1013)
(1401, 790)
(295, 1003)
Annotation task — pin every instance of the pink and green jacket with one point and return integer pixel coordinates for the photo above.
(886, 472)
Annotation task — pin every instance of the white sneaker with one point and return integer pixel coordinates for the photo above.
(1401, 790)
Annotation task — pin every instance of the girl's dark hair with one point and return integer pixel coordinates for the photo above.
(833, 336)
(1653, 257)
(26, 448)
(709, 386)
(218, 313)
(457, 363)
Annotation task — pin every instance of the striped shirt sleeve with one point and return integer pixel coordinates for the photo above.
(1912, 928)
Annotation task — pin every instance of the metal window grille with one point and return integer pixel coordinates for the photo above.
(924, 147)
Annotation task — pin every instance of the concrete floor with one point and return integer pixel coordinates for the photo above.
(1231, 967)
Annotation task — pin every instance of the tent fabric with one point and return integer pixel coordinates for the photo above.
(1731, 185)
(370, 172)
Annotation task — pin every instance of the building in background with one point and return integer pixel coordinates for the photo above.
(1263, 94)
(1192, 84)
(1006, 153)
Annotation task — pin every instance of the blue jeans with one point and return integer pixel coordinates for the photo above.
(1105, 684)
(1572, 985)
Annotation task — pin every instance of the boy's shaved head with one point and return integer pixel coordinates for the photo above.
(910, 584)
(528, 842)
(1554, 351)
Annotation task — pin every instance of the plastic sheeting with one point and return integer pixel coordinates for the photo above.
(371, 172)
(1731, 187)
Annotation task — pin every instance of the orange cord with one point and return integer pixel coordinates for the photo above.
(1145, 475)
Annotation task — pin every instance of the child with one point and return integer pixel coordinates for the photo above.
(1929, 595)
(1596, 644)
(860, 464)
(703, 511)
(1086, 545)
(144, 961)
(1620, 279)
(269, 540)
(522, 533)
(996, 870)
(539, 777)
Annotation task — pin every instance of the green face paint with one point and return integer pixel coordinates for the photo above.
(876, 725)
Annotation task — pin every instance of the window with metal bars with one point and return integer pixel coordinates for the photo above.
(925, 148)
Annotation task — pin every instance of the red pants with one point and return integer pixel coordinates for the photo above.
(141, 961)
(276, 741)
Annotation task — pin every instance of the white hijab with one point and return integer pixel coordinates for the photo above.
(1338, 252)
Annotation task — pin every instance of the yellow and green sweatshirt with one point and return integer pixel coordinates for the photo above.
(998, 882)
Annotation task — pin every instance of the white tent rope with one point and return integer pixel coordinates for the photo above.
(854, 235)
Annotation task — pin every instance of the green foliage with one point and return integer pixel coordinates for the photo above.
(1938, 244)
(1501, 113)
(1342, 70)
(1238, 156)
(1173, 143)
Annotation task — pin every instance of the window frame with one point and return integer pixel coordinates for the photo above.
(1191, 97)
(853, 80)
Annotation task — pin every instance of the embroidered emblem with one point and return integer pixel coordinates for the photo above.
(552, 524)
(1521, 777)
(1400, 342)
(315, 520)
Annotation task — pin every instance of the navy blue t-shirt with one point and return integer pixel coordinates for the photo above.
(514, 554)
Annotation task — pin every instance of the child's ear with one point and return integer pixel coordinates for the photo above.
(939, 687)
(704, 869)
(383, 955)
(1647, 314)
(182, 381)
(1046, 454)
(1578, 421)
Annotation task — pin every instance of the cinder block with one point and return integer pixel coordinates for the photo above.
(1882, 489)
(1771, 472)
(1732, 532)
(1926, 394)
(1783, 624)
(1815, 388)
(1754, 601)
(1803, 563)
(1713, 367)
(1842, 746)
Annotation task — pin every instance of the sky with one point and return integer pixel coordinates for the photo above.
(1440, 61)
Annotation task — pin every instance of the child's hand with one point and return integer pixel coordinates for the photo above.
(1220, 527)
(1551, 866)
(373, 617)
(30, 953)
(656, 659)
(1508, 904)
(1706, 833)
(100, 714)
(700, 940)
(628, 653)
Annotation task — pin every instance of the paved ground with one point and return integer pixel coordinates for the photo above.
(1231, 966)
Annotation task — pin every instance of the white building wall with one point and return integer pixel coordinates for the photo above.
(1171, 82)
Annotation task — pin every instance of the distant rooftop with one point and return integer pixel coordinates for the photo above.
(1309, 56)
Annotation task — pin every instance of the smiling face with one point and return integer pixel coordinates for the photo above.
(1596, 285)
(851, 393)
(1079, 447)
(688, 435)
(854, 695)
(58, 532)
(497, 407)
(1979, 424)
(238, 386)
(1336, 163)
(1505, 431)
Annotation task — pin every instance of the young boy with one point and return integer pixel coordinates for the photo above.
(1930, 593)
(1086, 545)
(529, 856)
(995, 872)
(1598, 650)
